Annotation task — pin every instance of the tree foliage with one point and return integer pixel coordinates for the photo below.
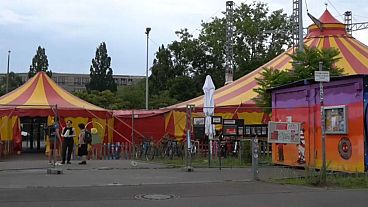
(304, 63)
(270, 77)
(105, 99)
(14, 82)
(101, 72)
(181, 66)
(39, 63)
(127, 97)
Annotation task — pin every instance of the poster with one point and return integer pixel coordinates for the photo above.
(335, 120)
(284, 132)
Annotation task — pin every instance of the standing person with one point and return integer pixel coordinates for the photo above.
(82, 146)
(68, 134)
(54, 141)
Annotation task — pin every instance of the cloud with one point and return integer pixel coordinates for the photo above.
(9, 17)
(71, 30)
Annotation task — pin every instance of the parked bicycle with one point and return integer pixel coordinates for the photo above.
(145, 149)
(171, 148)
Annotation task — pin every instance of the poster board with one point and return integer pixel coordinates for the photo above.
(261, 130)
(335, 120)
(284, 132)
(198, 121)
(233, 127)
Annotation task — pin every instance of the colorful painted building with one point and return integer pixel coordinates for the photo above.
(345, 108)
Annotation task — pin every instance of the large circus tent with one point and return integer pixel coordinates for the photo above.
(34, 105)
(235, 100)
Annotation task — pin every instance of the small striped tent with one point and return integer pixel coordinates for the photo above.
(41, 97)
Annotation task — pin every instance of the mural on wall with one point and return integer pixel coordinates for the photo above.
(345, 149)
(301, 148)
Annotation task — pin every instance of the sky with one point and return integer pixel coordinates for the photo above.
(71, 30)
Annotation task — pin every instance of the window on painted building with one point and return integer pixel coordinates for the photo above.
(335, 120)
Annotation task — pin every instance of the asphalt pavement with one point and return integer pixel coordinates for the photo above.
(122, 182)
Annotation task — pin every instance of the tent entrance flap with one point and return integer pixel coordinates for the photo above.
(33, 133)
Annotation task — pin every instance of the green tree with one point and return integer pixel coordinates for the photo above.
(253, 45)
(105, 99)
(39, 63)
(304, 64)
(162, 71)
(195, 57)
(132, 97)
(162, 100)
(101, 72)
(182, 87)
(14, 82)
(270, 77)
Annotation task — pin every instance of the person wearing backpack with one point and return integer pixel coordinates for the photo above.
(84, 138)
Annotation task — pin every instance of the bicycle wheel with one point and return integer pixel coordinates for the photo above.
(152, 154)
(171, 153)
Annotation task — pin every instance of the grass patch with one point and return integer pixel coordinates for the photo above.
(203, 162)
(339, 180)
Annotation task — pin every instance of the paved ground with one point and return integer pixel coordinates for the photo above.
(118, 183)
(33, 173)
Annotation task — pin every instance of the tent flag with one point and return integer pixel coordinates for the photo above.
(209, 107)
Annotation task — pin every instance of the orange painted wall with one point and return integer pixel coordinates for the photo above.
(307, 111)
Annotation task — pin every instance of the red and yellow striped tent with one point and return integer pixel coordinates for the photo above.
(353, 54)
(353, 59)
(40, 96)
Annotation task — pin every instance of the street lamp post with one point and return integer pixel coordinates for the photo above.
(7, 73)
(148, 29)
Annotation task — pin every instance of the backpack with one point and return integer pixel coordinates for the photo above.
(87, 137)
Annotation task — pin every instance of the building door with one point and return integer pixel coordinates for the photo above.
(33, 133)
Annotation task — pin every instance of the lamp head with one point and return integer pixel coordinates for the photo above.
(148, 29)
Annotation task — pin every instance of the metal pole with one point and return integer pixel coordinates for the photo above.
(255, 157)
(187, 137)
(322, 128)
(148, 29)
(300, 27)
(133, 147)
(56, 120)
(189, 167)
(7, 73)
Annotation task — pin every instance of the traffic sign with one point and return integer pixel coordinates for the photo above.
(322, 76)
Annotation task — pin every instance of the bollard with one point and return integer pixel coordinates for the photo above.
(118, 151)
(108, 150)
(104, 151)
(255, 158)
(112, 154)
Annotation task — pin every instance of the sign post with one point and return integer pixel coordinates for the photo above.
(189, 167)
(255, 157)
(322, 76)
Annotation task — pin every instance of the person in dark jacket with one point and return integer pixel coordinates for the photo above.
(68, 134)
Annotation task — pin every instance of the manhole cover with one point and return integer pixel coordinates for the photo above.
(154, 197)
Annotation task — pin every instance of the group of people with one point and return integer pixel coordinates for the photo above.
(68, 134)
